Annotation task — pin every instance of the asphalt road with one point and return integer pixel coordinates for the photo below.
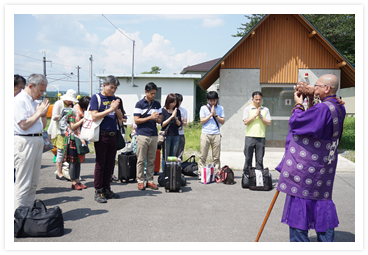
(201, 213)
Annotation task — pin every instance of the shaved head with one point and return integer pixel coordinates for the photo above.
(330, 80)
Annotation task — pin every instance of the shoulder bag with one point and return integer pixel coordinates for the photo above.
(91, 129)
(120, 142)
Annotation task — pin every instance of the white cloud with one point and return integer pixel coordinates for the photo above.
(212, 22)
(65, 30)
(158, 52)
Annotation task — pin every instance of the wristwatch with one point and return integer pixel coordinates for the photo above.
(261, 116)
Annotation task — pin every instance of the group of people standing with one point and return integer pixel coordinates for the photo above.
(300, 213)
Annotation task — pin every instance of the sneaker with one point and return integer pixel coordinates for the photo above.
(100, 196)
(114, 178)
(151, 185)
(76, 187)
(110, 194)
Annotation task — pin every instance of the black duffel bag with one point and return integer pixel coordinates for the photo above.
(33, 221)
(267, 180)
(190, 167)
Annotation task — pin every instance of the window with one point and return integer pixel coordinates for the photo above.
(280, 102)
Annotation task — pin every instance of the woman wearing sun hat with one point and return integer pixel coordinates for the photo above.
(60, 108)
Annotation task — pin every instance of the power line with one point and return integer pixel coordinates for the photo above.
(117, 28)
(27, 56)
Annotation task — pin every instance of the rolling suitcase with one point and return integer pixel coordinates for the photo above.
(127, 167)
(172, 176)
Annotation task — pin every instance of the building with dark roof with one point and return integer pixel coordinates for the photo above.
(279, 51)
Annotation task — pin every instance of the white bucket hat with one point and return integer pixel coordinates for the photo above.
(70, 95)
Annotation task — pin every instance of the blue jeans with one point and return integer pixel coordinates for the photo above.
(170, 146)
(298, 235)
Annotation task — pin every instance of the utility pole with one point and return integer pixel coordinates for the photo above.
(133, 85)
(90, 76)
(78, 67)
(44, 63)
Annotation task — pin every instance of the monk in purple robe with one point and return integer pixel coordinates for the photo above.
(307, 170)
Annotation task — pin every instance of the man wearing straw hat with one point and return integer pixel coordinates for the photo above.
(60, 108)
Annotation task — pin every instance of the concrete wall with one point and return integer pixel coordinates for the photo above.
(131, 95)
(237, 86)
(348, 96)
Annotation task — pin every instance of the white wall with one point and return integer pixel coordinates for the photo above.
(131, 95)
(348, 96)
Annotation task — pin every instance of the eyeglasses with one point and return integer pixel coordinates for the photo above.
(315, 85)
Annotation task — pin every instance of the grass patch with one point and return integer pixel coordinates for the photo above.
(192, 133)
(347, 141)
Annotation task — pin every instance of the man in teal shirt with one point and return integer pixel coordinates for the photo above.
(255, 117)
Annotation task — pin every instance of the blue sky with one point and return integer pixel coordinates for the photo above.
(169, 41)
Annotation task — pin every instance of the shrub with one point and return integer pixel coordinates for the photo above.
(348, 136)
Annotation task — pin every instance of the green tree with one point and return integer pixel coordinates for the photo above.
(339, 29)
(154, 70)
(253, 20)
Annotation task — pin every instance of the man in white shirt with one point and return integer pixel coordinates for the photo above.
(212, 116)
(29, 121)
(184, 120)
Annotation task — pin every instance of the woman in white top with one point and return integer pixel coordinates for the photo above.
(59, 109)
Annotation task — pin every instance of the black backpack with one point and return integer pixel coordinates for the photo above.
(226, 175)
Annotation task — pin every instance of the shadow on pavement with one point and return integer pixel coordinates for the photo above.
(81, 213)
(52, 190)
(61, 200)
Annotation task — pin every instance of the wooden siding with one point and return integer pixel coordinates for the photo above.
(279, 48)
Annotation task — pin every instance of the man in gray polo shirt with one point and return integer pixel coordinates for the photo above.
(29, 121)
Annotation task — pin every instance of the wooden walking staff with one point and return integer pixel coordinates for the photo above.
(267, 216)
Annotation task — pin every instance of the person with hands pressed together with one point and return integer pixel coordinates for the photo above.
(211, 116)
(256, 117)
(308, 168)
(29, 121)
(106, 147)
(147, 113)
(171, 121)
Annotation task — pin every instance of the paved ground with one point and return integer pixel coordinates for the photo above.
(202, 213)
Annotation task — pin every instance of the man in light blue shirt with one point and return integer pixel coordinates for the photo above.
(212, 116)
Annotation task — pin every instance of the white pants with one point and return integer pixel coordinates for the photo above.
(27, 163)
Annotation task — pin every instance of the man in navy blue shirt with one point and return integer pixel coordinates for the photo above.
(147, 113)
(105, 148)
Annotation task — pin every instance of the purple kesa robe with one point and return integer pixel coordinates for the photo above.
(308, 167)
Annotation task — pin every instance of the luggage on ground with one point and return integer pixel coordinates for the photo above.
(127, 167)
(157, 161)
(33, 221)
(208, 174)
(172, 176)
(260, 179)
(190, 167)
(245, 181)
(226, 175)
